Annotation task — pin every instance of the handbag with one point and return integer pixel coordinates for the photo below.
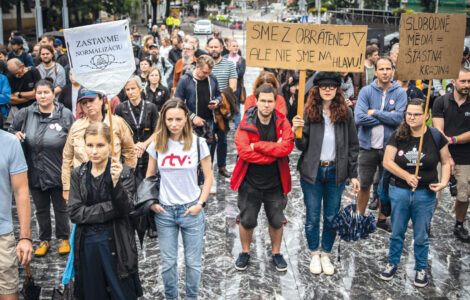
(200, 174)
(147, 194)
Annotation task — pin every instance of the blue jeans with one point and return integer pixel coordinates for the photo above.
(419, 206)
(325, 189)
(169, 225)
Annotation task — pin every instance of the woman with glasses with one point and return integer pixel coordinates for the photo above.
(414, 196)
(329, 148)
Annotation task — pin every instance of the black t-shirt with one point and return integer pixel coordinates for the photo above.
(456, 121)
(24, 84)
(203, 98)
(264, 177)
(407, 155)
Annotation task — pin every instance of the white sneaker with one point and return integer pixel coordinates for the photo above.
(315, 265)
(326, 265)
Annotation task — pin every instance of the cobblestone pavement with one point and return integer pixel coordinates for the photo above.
(356, 274)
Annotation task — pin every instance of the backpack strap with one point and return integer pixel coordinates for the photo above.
(198, 151)
(436, 137)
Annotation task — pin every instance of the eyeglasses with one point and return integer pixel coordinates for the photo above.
(330, 87)
(188, 49)
(410, 115)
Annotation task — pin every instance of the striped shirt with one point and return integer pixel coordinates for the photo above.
(224, 71)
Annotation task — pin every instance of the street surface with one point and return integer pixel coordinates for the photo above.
(356, 276)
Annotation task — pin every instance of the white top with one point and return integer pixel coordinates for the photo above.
(164, 51)
(377, 134)
(328, 148)
(178, 171)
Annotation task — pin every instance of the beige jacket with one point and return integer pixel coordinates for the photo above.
(74, 151)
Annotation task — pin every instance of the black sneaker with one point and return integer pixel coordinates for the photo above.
(421, 278)
(242, 261)
(279, 262)
(388, 272)
(374, 203)
(384, 225)
(461, 233)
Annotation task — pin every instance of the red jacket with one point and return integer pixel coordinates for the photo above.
(264, 152)
(280, 104)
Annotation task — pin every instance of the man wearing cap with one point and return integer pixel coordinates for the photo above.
(378, 112)
(160, 62)
(18, 52)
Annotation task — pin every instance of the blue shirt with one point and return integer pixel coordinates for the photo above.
(25, 58)
(5, 94)
(12, 162)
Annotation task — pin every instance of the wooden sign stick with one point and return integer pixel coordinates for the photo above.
(110, 113)
(300, 101)
(422, 130)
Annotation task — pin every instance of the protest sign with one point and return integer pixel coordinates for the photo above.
(101, 56)
(431, 46)
(293, 46)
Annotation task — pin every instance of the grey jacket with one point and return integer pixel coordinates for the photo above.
(347, 150)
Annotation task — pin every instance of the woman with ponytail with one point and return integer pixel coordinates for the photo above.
(414, 196)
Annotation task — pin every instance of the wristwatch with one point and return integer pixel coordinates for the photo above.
(19, 95)
(203, 204)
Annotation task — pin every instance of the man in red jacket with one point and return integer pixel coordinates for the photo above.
(264, 139)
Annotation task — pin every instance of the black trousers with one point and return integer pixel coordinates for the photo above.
(98, 267)
(42, 201)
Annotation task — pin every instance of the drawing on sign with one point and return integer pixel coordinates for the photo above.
(101, 61)
(303, 46)
(426, 40)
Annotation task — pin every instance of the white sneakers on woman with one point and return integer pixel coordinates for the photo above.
(326, 265)
(317, 264)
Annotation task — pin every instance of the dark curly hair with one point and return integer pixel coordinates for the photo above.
(404, 130)
(338, 107)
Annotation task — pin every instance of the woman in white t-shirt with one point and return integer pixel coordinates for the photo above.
(174, 153)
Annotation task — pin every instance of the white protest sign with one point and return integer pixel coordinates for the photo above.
(101, 56)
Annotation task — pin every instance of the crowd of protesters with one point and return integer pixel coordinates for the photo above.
(171, 121)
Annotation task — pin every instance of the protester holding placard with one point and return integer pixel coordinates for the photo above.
(175, 155)
(101, 197)
(329, 148)
(43, 128)
(265, 77)
(142, 116)
(74, 154)
(378, 112)
(451, 114)
(413, 197)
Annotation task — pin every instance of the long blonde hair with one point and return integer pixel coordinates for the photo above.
(162, 133)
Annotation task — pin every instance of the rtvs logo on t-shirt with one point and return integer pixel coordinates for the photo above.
(172, 158)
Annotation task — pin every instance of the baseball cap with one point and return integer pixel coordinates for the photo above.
(153, 46)
(16, 41)
(57, 42)
(85, 93)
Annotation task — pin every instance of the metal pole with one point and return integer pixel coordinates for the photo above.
(39, 27)
(386, 5)
(65, 15)
(1, 27)
(318, 5)
(437, 6)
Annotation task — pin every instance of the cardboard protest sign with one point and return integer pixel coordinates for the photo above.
(431, 46)
(306, 46)
(101, 56)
